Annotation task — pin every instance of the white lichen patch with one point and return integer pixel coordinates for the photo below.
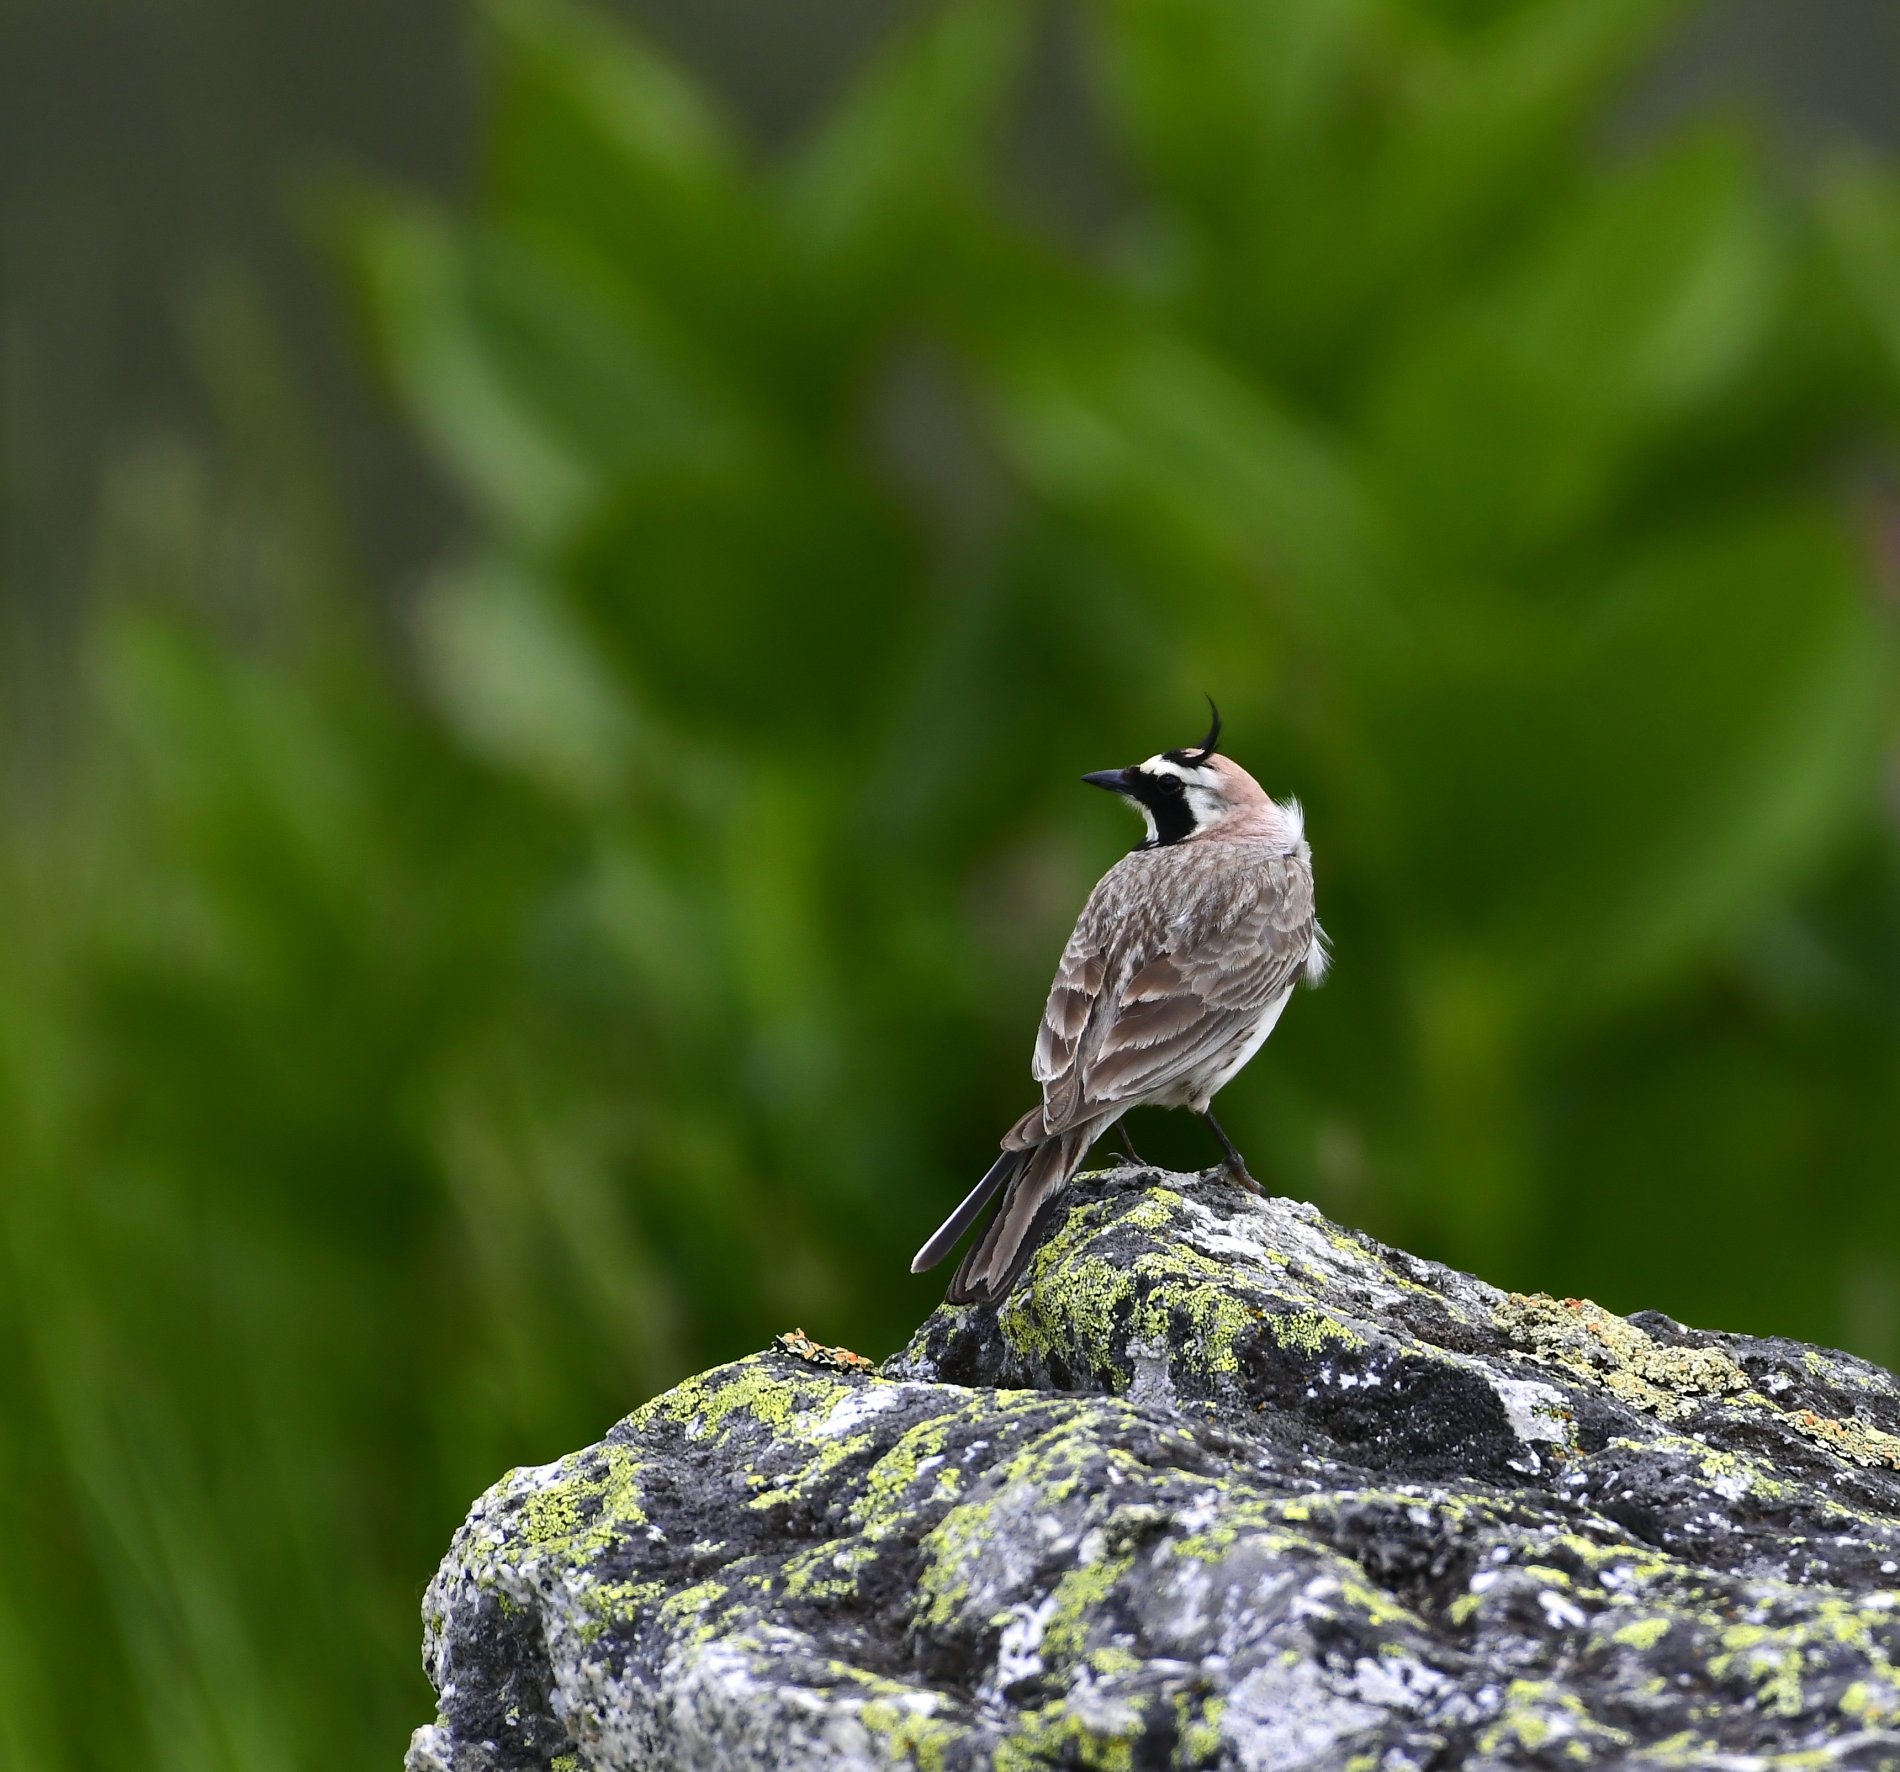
(1283, 1234)
(858, 1405)
(1151, 1386)
(1537, 1412)
(1288, 1718)
(1019, 1648)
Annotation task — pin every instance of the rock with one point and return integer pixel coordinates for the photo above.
(1224, 1486)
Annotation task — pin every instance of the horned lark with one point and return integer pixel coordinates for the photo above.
(1179, 967)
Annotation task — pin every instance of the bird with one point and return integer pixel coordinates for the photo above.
(1180, 965)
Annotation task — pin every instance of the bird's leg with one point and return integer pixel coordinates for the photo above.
(1236, 1164)
(1128, 1144)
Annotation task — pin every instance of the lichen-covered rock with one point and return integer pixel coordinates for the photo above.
(1223, 1486)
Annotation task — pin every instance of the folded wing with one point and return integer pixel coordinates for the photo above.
(1139, 1004)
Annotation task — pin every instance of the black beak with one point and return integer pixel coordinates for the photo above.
(1115, 780)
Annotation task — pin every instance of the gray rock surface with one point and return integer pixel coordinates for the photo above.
(1225, 1486)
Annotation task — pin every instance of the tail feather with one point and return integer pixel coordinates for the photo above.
(944, 1238)
(997, 1259)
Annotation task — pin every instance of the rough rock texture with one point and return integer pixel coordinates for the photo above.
(1227, 1486)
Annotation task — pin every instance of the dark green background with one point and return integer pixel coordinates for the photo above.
(542, 760)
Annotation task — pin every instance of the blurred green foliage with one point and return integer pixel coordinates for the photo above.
(413, 1054)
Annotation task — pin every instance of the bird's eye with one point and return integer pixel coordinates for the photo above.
(1168, 784)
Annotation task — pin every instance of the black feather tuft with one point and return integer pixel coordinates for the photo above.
(1212, 740)
(1193, 756)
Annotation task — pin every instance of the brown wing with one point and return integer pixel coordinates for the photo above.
(1140, 999)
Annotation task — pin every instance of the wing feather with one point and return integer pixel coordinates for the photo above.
(1071, 1002)
(1141, 1001)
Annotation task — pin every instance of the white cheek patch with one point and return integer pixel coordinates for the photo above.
(1206, 805)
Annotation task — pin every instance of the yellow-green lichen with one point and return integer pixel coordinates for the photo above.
(887, 1502)
(612, 1603)
(1373, 1605)
(1592, 1343)
(1254, 1519)
(694, 1614)
(1538, 1716)
(1078, 1600)
(1520, 1727)
(1308, 1331)
(1855, 1441)
(1665, 1381)
(812, 1413)
(895, 1474)
(910, 1734)
(956, 1543)
(816, 1472)
(1870, 1706)
(1768, 1661)
(583, 1503)
(1642, 1634)
(826, 1571)
(1059, 1734)
(1781, 1691)
(1082, 1308)
(1038, 1476)
(1197, 1728)
(702, 1405)
(1073, 1304)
